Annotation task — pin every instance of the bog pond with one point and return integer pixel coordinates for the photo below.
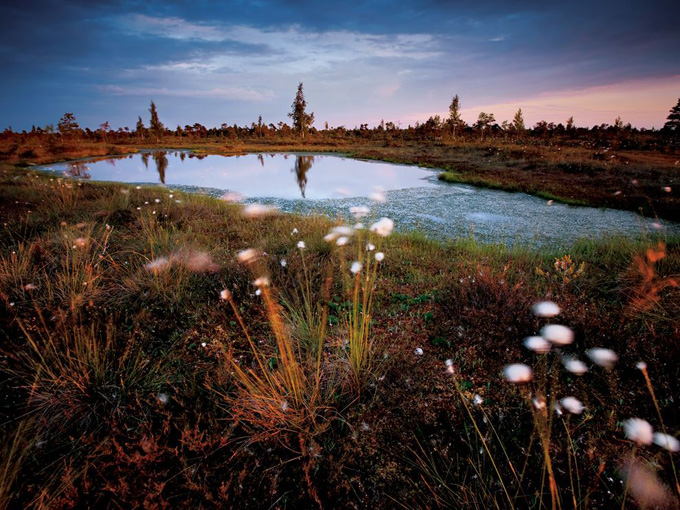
(330, 184)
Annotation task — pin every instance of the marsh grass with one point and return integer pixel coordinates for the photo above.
(144, 377)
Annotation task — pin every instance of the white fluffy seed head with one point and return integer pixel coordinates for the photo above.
(380, 256)
(537, 344)
(359, 211)
(225, 294)
(418, 351)
(342, 230)
(574, 366)
(262, 281)
(258, 210)
(246, 256)
(557, 334)
(383, 227)
(573, 405)
(666, 441)
(342, 241)
(370, 247)
(638, 430)
(301, 245)
(602, 357)
(158, 264)
(356, 267)
(546, 309)
(517, 373)
(641, 365)
(378, 196)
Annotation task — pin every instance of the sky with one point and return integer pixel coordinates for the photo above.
(229, 61)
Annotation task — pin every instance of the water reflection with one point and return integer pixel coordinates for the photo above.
(145, 159)
(302, 165)
(78, 169)
(161, 164)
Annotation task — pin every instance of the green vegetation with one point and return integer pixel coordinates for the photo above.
(141, 367)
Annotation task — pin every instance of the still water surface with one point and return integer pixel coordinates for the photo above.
(330, 184)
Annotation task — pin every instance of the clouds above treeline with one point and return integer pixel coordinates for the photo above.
(213, 62)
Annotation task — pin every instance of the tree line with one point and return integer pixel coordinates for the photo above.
(435, 128)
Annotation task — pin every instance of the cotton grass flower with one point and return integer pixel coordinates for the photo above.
(641, 365)
(645, 487)
(478, 401)
(638, 430)
(539, 402)
(225, 295)
(602, 357)
(546, 309)
(342, 230)
(284, 263)
(262, 281)
(232, 197)
(158, 265)
(665, 441)
(196, 261)
(573, 405)
(574, 366)
(383, 227)
(329, 238)
(418, 351)
(294, 231)
(30, 286)
(557, 334)
(378, 196)
(342, 241)
(258, 210)
(370, 247)
(247, 256)
(301, 245)
(537, 344)
(356, 267)
(380, 256)
(518, 373)
(359, 211)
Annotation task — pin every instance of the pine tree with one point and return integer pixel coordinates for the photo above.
(454, 115)
(673, 119)
(68, 125)
(155, 125)
(518, 121)
(140, 129)
(302, 120)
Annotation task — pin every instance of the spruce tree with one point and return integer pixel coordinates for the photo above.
(155, 125)
(140, 129)
(673, 119)
(302, 120)
(518, 121)
(454, 115)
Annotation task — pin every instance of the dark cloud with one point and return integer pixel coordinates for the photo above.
(62, 55)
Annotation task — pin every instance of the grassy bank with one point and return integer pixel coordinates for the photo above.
(142, 367)
(576, 173)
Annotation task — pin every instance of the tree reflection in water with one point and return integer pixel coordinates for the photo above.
(145, 159)
(161, 164)
(302, 166)
(78, 169)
